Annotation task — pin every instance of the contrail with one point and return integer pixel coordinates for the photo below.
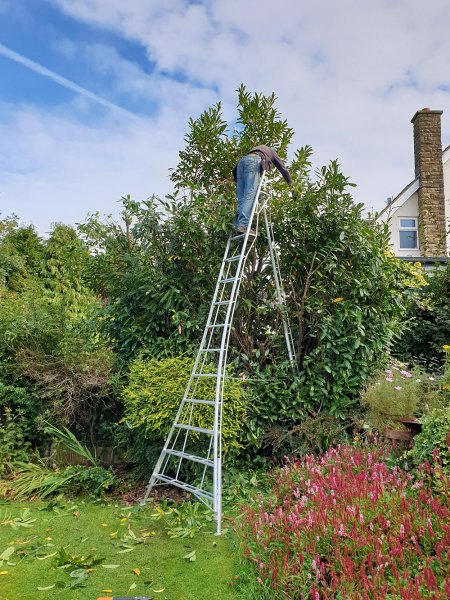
(70, 85)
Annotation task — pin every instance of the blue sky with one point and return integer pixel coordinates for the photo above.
(95, 94)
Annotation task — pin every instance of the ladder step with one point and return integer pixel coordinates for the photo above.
(233, 258)
(216, 325)
(228, 280)
(214, 375)
(238, 237)
(210, 350)
(205, 374)
(184, 486)
(221, 302)
(198, 459)
(194, 428)
(197, 401)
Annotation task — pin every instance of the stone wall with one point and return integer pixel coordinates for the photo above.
(428, 165)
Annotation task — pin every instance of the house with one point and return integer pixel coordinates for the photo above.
(419, 217)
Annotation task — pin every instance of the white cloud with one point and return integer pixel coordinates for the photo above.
(349, 76)
(58, 169)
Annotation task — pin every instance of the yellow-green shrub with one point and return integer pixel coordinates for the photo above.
(156, 388)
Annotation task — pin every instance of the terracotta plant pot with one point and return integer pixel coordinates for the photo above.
(397, 435)
(412, 424)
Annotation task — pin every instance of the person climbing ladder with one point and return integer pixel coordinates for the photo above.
(247, 175)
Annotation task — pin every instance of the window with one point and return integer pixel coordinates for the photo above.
(408, 234)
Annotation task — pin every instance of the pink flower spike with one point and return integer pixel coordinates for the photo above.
(388, 371)
(389, 379)
(397, 387)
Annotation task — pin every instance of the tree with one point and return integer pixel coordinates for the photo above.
(21, 254)
(345, 290)
(50, 343)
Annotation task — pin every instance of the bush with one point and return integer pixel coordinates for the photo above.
(345, 291)
(53, 343)
(344, 525)
(429, 320)
(313, 435)
(432, 444)
(155, 390)
(399, 392)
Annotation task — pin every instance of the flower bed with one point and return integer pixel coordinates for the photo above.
(345, 525)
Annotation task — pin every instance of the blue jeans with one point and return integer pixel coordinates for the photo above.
(248, 177)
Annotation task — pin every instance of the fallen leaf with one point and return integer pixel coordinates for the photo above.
(49, 587)
(107, 591)
(4, 573)
(47, 556)
(110, 566)
(192, 557)
(76, 513)
(132, 586)
(113, 534)
(48, 539)
(104, 524)
(159, 591)
(137, 571)
(6, 555)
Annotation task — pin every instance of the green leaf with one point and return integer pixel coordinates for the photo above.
(192, 557)
(6, 555)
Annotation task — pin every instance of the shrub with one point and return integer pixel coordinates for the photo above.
(345, 291)
(155, 390)
(429, 320)
(54, 344)
(398, 392)
(312, 435)
(433, 442)
(344, 525)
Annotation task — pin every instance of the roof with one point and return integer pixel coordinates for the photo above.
(406, 193)
(409, 190)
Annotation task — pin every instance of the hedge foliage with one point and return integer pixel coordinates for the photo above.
(155, 390)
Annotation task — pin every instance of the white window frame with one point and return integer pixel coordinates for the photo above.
(415, 228)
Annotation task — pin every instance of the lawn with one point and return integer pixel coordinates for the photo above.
(137, 557)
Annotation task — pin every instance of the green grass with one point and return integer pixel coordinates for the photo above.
(87, 528)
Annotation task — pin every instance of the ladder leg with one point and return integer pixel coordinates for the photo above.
(279, 288)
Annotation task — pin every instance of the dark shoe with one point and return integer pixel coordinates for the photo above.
(243, 229)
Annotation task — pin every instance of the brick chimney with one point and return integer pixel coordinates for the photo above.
(428, 165)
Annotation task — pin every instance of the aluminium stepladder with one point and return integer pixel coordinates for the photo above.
(195, 438)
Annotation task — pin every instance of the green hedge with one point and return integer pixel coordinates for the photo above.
(155, 390)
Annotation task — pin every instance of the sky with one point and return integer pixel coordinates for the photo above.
(95, 95)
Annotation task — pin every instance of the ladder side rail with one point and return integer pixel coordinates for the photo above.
(217, 483)
(279, 288)
(205, 342)
(219, 295)
(163, 453)
(227, 333)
